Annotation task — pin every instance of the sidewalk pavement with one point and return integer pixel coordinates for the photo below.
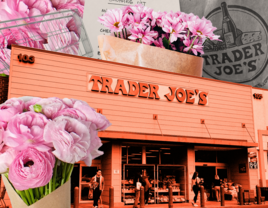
(212, 204)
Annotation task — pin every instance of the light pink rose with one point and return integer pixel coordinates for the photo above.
(26, 130)
(31, 169)
(70, 138)
(95, 143)
(80, 109)
(7, 155)
(1, 138)
(71, 112)
(31, 102)
(50, 106)
(9, 109)
(98, 119)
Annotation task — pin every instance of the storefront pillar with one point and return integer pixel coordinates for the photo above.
(190, 169)
(143, 155)
(116, 172)
(261, 133)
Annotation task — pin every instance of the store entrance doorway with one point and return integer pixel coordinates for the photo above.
(207, 174)
(222, 173)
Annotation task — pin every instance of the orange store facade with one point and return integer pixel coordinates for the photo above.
(165, 124)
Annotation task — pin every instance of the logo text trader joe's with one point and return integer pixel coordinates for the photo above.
(144, 90)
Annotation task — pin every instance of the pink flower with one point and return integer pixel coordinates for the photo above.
(43, 6)
(173, 25)
(159, 43)
(157, 18)
(9, 109)
(49, 106)
(7, 155)
(24, 36)
(68, 6)
(13, 9)
(145, 36)
(195, 46)
(31, 102)
(70, 138)
(26, 130)
(31, 169)
(201, 28)
(59, 37)
(1, 139)
(95, 143)
(58, 3)
(186, 18)
(113, 19)
(4, 60)
(98, 119)
(71, 112)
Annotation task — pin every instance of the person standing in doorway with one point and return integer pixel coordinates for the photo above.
(98, 186)
(195, 187)
(147, 186)
(217, 187)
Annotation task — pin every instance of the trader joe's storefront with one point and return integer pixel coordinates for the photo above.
(145, 106)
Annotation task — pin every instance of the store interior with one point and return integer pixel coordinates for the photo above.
(159, 164)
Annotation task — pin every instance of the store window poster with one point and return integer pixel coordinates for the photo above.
(94, 9)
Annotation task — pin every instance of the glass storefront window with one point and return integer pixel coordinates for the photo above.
(205, 156)
(166, 155)
(223, 156)
(152, 155)
(124, 155)
(85, 185)
(134, 155)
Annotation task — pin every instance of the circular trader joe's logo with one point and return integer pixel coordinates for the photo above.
(241, 56)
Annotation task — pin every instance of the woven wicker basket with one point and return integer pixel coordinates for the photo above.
(3, 88)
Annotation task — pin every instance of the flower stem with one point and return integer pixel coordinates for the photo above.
(54, 178)
(126, 32)
(50, 186)
(41, 190)
(123, 33)
(71, 167)
(64, 165)
(32, 195)
(27, 194)
(115, 34)
(46, 190)
(36, 193)
(192, 44)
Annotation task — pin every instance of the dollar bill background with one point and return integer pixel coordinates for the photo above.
(242, 56)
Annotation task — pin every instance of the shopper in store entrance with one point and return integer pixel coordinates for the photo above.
(217, 187)
(195, 187)
(147, 186)
(98, 186)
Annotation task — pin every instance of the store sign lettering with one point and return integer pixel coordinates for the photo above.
(146, 90)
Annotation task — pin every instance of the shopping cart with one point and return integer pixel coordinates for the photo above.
(60, 31)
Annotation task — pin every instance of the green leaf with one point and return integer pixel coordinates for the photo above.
(165, 43)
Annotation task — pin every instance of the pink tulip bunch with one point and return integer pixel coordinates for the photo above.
(33, 34)
(176, 31)
(41, 139)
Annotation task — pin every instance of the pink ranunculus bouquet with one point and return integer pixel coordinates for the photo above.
(175, 31)
(41, 139)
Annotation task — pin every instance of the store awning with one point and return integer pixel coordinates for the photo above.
(177, 139)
